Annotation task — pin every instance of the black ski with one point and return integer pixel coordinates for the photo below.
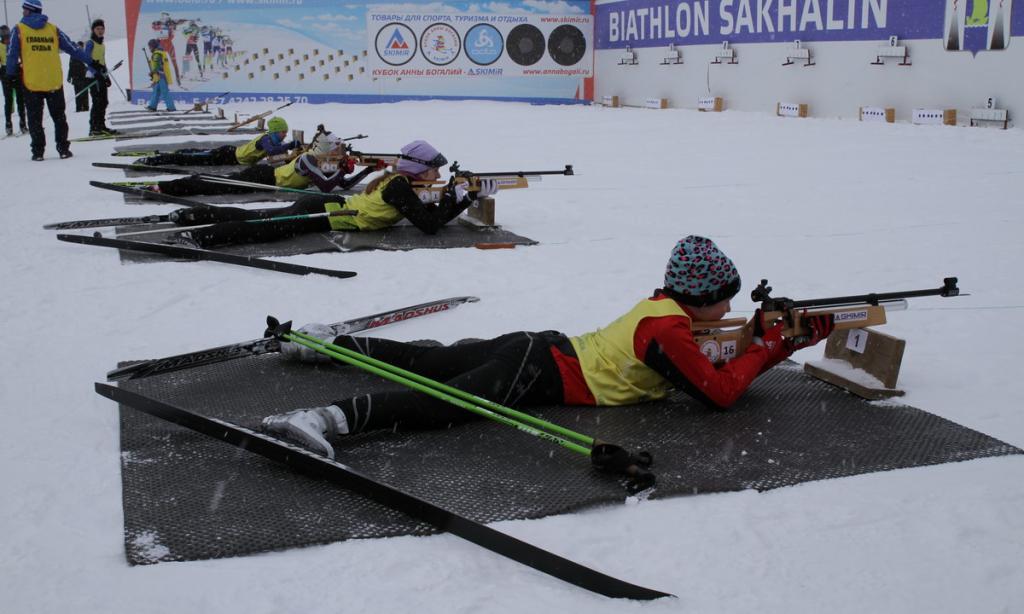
(266, 345)
(322, 467)
(195, 253)
(162, 170)
(108, 221)
(155, 170)
(137, 154)
(149, 194)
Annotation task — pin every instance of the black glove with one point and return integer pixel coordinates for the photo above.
(106, 81)
(97, 68)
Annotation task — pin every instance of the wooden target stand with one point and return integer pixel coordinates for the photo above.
(862, 361)
(858, 359)
(480, 213)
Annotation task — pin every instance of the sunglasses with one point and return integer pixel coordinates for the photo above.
(436, 162)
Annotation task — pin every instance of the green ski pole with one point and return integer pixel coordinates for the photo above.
(420, 381)
(605, 457)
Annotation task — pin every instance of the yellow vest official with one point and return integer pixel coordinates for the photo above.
(40, 58)
(99, 52)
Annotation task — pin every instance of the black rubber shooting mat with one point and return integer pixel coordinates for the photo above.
(257, 196)
(189, 497)
(397, 238)
(167, 147)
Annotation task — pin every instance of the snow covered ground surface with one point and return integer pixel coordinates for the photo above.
(820, 207)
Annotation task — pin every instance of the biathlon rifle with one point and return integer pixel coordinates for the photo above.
(285, 158)
(258, 117)
(505, 180)
(106, 74)
(724, 340)
(153, 79)
(380, 160)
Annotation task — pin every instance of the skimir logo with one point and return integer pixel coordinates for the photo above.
(484, 44)
(396, 44)
(851, 316)
(440, 44)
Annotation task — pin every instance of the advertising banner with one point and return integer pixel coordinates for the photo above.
(656, 23)
(329, 51)
(474, 44)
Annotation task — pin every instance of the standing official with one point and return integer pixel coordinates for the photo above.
(36, 44)
(79, 80)
(13, 92)
(98, 91)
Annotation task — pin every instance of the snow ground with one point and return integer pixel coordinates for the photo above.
(819, 207)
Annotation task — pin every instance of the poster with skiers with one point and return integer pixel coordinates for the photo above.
(324, 51)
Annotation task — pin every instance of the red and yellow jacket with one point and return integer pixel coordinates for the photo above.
(647, 352)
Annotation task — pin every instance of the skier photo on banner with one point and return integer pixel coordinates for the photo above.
(163, 30)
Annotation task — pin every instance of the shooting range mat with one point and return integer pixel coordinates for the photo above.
(189, 497)
(153, 171)
(397, 238)
(256, 196)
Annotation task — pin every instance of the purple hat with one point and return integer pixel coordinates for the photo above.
(699, 274)
(419, 157)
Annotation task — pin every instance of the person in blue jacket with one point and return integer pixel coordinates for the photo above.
(271, 143)
(35, 48)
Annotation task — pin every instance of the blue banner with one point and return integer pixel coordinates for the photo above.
(655, 23)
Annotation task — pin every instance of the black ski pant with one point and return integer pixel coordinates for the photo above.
(236, 230)
(14, 94)
(193, 50)
(191, 186)
(516, 370)
(98, 115)
(54, 101)
(221, 156)
(81, 100)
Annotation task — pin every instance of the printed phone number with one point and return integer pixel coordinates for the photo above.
(233, 99)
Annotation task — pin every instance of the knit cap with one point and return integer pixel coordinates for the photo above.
(699, 274)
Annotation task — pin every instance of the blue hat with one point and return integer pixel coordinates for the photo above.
(699, 274)
(36, 6)
(418, 157)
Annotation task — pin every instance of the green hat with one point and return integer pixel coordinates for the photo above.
(277, 124)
